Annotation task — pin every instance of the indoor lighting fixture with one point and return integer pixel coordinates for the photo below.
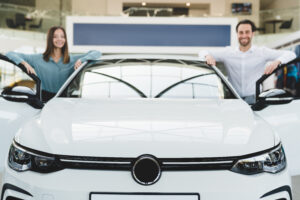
(188, 4)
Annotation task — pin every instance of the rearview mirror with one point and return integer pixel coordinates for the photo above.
(276, 96)
(17, 85)
(22, 94)
(272, 97)
(23, 89)
(18, 93)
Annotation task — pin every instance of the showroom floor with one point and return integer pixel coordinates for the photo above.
(295, 180)
(296, 189)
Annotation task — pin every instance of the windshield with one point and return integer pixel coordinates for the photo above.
(148, 79)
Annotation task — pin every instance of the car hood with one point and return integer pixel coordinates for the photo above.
(161, 127)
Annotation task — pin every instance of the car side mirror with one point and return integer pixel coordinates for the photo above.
(23, 89)
(276, 96)
(22, 94)
(272, 97)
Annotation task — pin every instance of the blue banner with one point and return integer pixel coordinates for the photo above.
(151, 35)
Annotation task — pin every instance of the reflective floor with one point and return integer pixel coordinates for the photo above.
(296, 187)
(295, 180)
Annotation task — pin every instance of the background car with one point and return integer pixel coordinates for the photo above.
(144, 126)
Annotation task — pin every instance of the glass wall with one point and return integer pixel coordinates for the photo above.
(39, 17)
(280, 20)
(28, 18)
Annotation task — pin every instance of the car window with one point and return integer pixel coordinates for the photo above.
(11, 76)
(287, 78)
(147, 79)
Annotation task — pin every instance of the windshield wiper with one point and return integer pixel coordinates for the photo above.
(177, 83)
(126, 83)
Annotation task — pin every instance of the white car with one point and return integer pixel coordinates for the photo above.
(143, 127)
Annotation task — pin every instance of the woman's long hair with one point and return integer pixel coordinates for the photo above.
(50, 46)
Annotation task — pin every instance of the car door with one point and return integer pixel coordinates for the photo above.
(284, 115)
(19, 101)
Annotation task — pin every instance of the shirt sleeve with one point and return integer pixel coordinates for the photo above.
(284, 56)
(217, 54)
(20, 57)
(91, 55)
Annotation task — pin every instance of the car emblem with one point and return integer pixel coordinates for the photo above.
(146, 170)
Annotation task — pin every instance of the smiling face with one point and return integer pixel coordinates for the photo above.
(59, 38)
(245, 34)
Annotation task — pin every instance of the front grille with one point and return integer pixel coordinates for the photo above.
(75, 162)
(167, 164)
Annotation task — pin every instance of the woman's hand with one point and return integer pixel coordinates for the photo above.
(77, 64)
(28, 67)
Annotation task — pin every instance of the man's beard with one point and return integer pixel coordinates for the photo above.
(245, 44)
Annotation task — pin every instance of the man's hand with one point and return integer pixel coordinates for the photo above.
(77, 64)
(271, 67)
(210, 60)
(28, 67)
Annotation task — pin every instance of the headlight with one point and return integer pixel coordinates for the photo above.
(271, 162)
(22, 160)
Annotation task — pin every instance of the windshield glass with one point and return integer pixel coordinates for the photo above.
(148, 79)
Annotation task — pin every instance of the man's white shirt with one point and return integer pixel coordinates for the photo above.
(245, 68)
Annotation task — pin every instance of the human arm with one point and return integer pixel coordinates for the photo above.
(91, 55)
(210, 60)
(29, 68)
(277, 57)
(212, 56)
(24, 59)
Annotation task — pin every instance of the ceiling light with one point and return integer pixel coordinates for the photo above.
(188, 4)
(144, 3)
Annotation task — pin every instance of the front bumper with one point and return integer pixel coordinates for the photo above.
(210, 185)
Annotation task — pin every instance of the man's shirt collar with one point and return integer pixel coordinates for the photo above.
(251, 50)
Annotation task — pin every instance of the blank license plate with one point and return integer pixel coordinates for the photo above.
(122, 196)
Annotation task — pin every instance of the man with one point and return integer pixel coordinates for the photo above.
(246, 64)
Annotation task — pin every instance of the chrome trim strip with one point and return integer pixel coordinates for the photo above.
(197, 163)
(279, 99)
(93, 162)
(15, 96)
(29, 152)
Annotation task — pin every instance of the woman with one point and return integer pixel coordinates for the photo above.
(55, 65)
